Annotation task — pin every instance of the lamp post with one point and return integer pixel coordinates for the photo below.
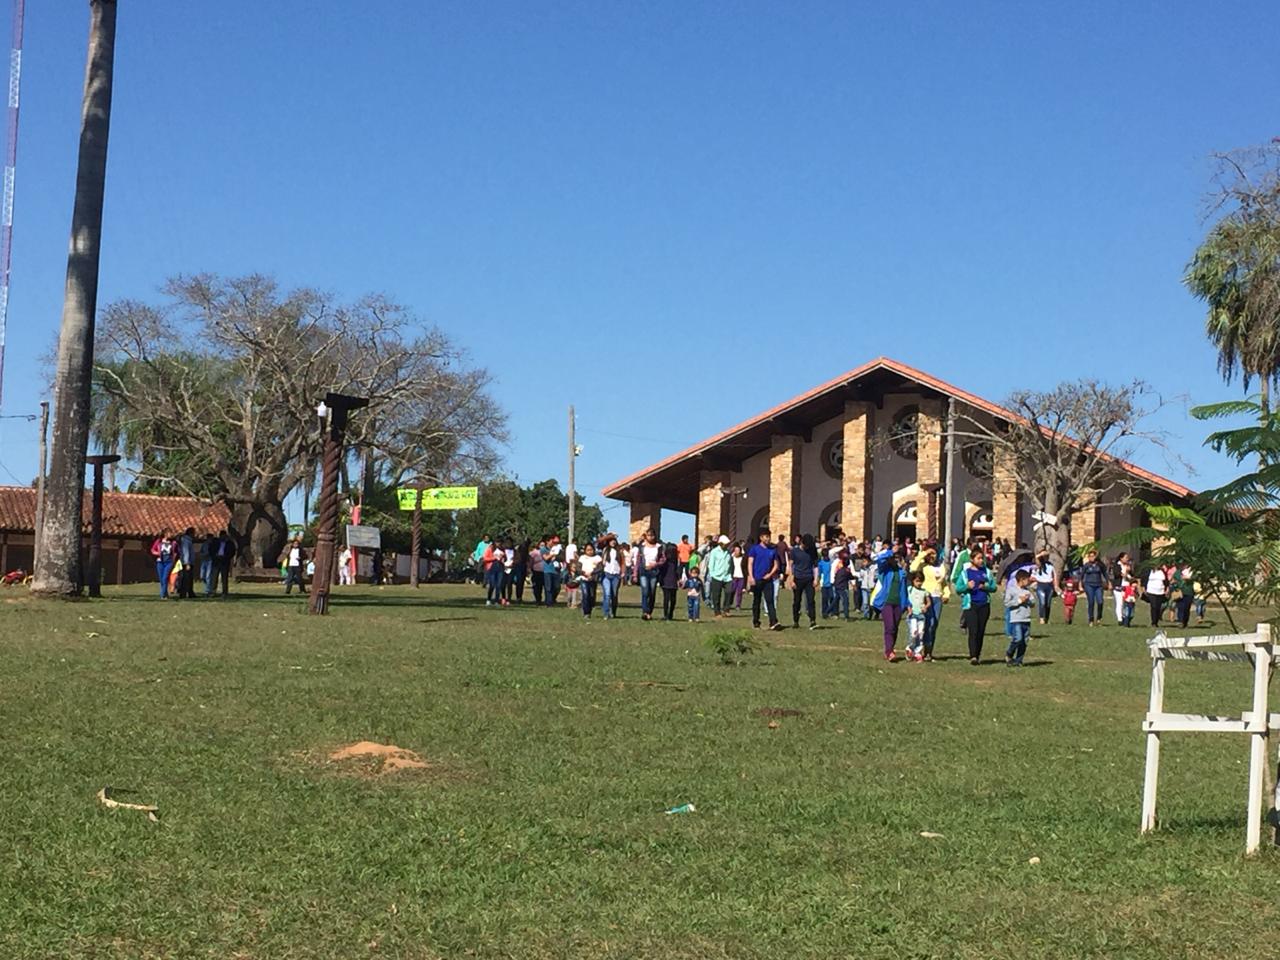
(95, 528)
(335, 406)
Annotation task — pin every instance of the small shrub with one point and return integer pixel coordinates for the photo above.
(732, 647)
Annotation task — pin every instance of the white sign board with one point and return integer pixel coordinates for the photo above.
(364, 537)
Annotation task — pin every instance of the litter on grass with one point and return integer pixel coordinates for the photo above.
(931, 836)
(683, 808)
(104, 798)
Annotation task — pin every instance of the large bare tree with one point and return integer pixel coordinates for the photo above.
(1067, 448)
(58, 572)
(213, 394)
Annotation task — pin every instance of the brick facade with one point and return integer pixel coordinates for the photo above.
(644, 516)
(712, 504)
(855, 478)
(1084, 525)
(784, 485)
(1006, 500)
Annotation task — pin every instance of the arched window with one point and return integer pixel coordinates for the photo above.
(759, 521)
(829, 519)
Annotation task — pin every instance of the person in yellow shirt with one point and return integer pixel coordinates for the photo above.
(937, 585)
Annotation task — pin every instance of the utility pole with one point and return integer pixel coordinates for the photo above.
(949, 493)
(44, 449)
(573, 455)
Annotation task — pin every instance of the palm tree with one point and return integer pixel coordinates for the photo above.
(58, 573)
(1236, 271)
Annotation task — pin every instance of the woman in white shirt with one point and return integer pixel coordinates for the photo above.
(738, 572)
(1157, 588)
(1046, 578)
(611, 578)
(588, 569)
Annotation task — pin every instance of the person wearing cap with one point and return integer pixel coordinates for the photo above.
(719, 574)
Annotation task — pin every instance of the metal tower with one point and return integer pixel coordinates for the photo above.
(10, 168)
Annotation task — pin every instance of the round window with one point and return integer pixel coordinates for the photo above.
(833, 456)
(903, 436)
(977, 458)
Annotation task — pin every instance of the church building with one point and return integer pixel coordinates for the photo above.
(865, 453)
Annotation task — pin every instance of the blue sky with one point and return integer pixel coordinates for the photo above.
(724, 203)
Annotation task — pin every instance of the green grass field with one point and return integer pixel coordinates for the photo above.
(554, 747)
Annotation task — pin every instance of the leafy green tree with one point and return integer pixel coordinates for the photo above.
(1236, 268)
(1230, 535)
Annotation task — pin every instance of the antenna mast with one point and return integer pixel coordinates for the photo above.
(10, 168)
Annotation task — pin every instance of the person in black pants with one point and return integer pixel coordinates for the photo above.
(804, 560)
(763, 561)
(224, 553)
(670, 573)
(979, 584)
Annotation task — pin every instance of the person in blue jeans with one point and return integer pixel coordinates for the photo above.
(1017, 602)
(693, 593)
(165, 551)
(611, 579)
(1094, 579)
(649, 564)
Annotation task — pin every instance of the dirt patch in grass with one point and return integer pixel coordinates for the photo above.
(378, 759)
(777, 712)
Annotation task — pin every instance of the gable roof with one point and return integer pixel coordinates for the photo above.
(678, 472)
(131, 515)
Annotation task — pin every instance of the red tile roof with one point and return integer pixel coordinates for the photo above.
(123, 514)
(617, 490)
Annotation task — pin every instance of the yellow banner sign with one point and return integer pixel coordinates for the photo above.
(440, 498)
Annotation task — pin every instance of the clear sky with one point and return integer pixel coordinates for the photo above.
(672, 215)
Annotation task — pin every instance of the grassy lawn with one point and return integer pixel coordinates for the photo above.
(553, 748)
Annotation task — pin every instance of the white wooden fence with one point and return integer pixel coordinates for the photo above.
(1257, 722)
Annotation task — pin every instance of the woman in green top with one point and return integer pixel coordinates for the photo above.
(1183, 587)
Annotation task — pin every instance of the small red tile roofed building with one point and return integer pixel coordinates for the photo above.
(130, 522)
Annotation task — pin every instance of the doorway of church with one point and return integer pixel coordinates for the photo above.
(904, 522)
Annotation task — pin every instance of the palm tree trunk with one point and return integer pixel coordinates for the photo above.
(59, 570)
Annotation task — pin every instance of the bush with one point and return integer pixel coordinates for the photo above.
(732, 647)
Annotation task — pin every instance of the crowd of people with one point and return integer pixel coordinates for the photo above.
(178, 558)
(838, 578)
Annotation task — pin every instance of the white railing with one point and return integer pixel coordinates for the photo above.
(1256, 648)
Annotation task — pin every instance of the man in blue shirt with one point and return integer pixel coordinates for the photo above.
(764, 572)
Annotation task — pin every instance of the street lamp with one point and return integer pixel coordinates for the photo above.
(335, 406)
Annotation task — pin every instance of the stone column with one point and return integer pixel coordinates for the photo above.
(1084, 524)
(855, 474)
(645, 515)
(929, 427)
(712, 505)
(1006, 501)
(784, 485)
